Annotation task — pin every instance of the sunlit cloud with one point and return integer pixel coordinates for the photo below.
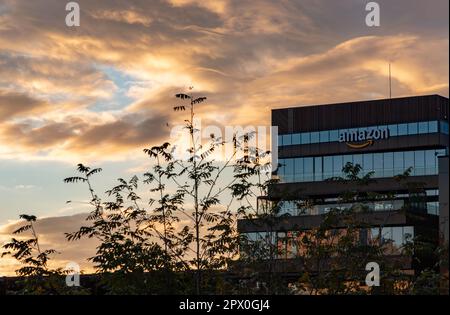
(105, 90)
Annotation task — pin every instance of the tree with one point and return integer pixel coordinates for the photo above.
(36, 277)
(187, 226)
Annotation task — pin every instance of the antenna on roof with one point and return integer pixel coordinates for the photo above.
(390, 82)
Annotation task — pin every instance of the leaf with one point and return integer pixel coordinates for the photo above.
(179, 108)
(22, 229)
(182, 96)
(29, 218)
(75, 179)
(94, 171)
(199, 100)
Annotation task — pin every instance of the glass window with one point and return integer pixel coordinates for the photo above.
(409, 160)
(432, 126)
(430, 162)
(347, 159)
(315, 137)
(412, 128)
(281, 163)
(423, 127)
(393, 130)
(318, 169)
(398, 163)
(324, 136)
(334, 135)
(298, 165)
(298, 168)
(444, 127)
(388, 163)
(305, 138)
(386, 233)
(358, 159)
(337, 165)
(308, 166)
(374, 233)
(408, 234)
(368, 162)
(287, 139)
(419, 162)
(327, 166)
(397, 236)
(433, 207)
(296, 138)
(402, 129)
(280, 141)
(378, 164)
(289, 170)
(440, 152)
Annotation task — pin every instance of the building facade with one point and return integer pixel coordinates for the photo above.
(386, 138)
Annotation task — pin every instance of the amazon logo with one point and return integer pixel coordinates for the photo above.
(362, 138)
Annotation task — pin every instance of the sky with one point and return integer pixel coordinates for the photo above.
(101, 92)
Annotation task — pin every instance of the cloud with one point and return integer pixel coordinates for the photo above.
(106, 88)
(13, 104)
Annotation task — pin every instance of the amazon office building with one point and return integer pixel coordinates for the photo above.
(385, 137)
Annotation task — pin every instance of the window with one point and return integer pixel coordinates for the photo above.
(386, 234)
(398, 163)
(374, 233)
(423, 127)
(305, 138)
(433, 207)
(402, 129)
(327, 166)
(412, 128)
(299, 171)
(308, 166)
(287, 140)
(432, 126)
(318, 169)
(388, 163)
(409, 160)
(358, 159)
(368, 162)
(296, 139)
(444, 127)
(393, 131)
(430, 162)
(315, 137)
(334, 135)
(337, 165)
(408, 234)
(324, 136)
(397, 236)
(280, 140)
(347, 159)
(289, 170)
(419, 162)
(441, 152)
(378, 164)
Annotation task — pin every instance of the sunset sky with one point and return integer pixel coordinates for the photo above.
(101, 92)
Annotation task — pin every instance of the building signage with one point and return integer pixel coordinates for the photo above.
(361, 138)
